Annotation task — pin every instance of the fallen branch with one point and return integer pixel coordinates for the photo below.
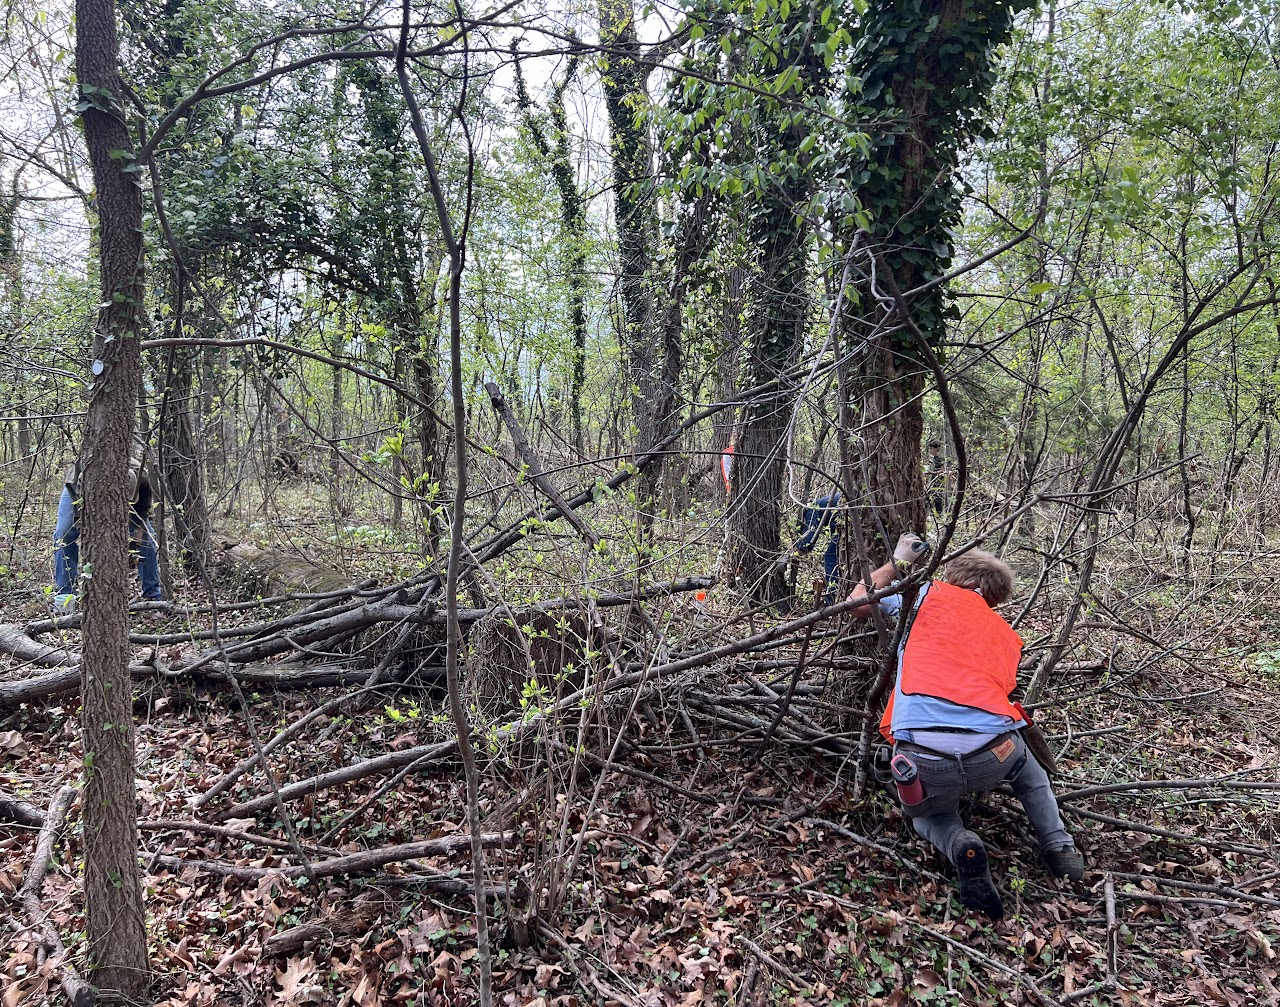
(61, 683)
(79, 992)
(14, 809)
(773, 963)
(1224, 891)
(16, 643)
(900, 858)
(1182, 837)
(347, 774)
(234, 835)
(1225, 783)
(281, 737)
(353, 863)
(359, 919)
(1113, 947)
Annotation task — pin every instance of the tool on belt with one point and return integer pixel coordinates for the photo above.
(1037, 744)
(907, 777)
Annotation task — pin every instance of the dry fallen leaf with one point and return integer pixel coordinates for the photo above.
(12, 746)
(297, 984)
(231, 958)
(1263, 945)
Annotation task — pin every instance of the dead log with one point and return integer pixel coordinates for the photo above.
(359, 918)
(265, 676)
(79, 992)
(15, 642)
(13, 809)
(29, 690)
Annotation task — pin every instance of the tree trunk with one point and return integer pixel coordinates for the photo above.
(113, 894)
(927, 69)
(553, 145)
(635, 210)
(781, 306)
(779, 229)
(181, 460)
(892, 419)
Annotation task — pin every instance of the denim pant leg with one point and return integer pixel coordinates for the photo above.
(66, 545)
(1031, 786)
(937, 817)
(148, 558)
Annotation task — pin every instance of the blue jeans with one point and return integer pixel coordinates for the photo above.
(820, 516)
(66, 550)
(948, 779)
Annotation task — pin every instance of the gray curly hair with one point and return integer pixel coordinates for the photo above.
(980, 571)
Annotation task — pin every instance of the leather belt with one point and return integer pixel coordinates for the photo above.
(911, 746)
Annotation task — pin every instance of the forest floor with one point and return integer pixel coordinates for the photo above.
(703, 877)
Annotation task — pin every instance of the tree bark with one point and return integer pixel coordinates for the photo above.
(180, 454)
(624, 81)
(892, 417)
(115, 921)
(755, 516)
(553, 145)
(927, 70)
(780, 307)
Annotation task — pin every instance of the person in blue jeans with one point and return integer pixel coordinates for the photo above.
(818, 517)
(142, 537)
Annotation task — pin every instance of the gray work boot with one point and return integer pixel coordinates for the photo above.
(977, 891)
(1064, 862)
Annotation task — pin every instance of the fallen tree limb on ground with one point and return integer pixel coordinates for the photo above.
(14, 809)
(79, 992)
(1182, 837)
(352, 863)
(15, 642)
(1131, 786)
(266, 676)
(233, 835)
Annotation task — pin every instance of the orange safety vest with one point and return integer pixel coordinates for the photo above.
(960, 650)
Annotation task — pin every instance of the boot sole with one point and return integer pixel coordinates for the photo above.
(977, 891)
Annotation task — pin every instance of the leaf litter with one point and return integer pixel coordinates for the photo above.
(775, 887)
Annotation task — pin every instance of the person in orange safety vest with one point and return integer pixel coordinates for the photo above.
(953, 728)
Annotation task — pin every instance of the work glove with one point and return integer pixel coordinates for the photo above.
(910, 548)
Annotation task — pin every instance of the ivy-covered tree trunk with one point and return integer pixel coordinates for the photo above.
(892, 416)
(12, 286)
(777, 226)
(925, 67)
(623, 78)
(113, 894)
(780, 301)
(397, 262)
